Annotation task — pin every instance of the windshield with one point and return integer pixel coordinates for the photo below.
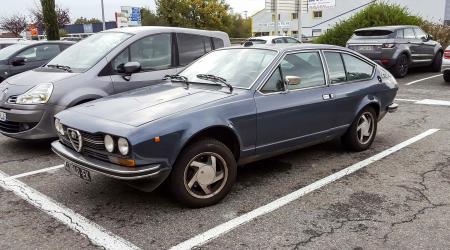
(239, 67)
(85, 54)
(257, 41)
(7, 52)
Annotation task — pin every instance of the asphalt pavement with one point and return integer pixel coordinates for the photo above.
(398, 201)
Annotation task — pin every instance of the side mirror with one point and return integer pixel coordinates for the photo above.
(131, 67)
(293, 80)
(18, 61)
(430, 37)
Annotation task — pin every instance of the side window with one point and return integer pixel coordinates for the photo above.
(420, 34)
(409, 34)
(218, 43)
(152, 52)
(357, 69)
(291, 40)
(400, 34)
(336, 67)
(307, 66)
(40, 52)
(278, 40)
(274, 84)
(208, 45)
(190, 47)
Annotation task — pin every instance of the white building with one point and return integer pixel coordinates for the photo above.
(319, 15)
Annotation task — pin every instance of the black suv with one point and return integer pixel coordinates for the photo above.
(398, 48)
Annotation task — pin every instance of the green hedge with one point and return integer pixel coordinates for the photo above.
(376, 14)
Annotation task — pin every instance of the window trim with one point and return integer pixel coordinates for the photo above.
(354, 55)
(108, 70)
(278, 64)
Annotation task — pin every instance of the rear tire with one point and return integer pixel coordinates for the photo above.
(203, 174)
(437, 63)
(447, 76)
(401, 67)
(362, 132)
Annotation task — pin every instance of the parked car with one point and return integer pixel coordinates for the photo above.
(446, 65)
(398, 48)
(106, 63)
(28, 55)
(233, 106)
(271, 40)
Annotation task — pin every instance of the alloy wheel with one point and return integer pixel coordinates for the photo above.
(365, 128)
(205, 175)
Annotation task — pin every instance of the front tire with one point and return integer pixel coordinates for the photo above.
(447, 76)
(401, 67)
(362, 132)
(203, 174)
(437, 63)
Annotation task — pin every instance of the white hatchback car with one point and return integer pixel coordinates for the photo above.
(446, 64)
(271, 40)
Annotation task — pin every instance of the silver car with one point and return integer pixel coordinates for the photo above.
(106, 63)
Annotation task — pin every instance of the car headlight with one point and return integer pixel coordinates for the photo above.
(39, 94)
(123, 146)
(59, 127)
(109, 143)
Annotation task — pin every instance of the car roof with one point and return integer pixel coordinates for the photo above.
(286, 47)
(391, 28)
(30, 42)
(267, 38)
(159, 29)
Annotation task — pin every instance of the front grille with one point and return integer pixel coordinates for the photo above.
(16, 127)
(93, 145)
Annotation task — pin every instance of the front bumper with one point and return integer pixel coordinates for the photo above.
(31, 122)
(146, 177)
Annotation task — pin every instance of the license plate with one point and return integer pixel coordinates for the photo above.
(80, 172)
(3, 116)
(365, 48)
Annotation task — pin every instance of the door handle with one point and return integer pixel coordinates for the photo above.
(328, 96)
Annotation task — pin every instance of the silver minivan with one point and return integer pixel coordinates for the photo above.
(106, 63)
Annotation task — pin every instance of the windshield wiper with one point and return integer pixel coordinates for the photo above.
(62, 67)
(177, 78)
(214, 78)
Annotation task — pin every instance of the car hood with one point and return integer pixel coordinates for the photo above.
(32, 77)
(148, 104)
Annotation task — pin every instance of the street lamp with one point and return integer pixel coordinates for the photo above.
(103, 15)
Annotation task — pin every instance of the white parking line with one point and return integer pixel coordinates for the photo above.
(423, 79)
(426, 102)
(96, 234)
(35, 172)
(217, 231)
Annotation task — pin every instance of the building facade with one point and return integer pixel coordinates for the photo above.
(316, 18)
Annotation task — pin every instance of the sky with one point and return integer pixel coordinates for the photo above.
(91, 8)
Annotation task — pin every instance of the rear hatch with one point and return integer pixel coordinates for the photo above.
(369, 42)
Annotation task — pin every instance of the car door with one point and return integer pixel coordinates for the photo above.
(413, 43)
(350, 82)
(292, 115)
(35, 57)
(156, 55)
(426, 47)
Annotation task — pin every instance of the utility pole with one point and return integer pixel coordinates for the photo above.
(103, 15)
(276, 17)
(299, 18)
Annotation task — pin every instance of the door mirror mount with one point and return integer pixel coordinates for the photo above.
(293, 80)
(18, 61)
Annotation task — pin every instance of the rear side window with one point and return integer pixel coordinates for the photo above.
(191, 47)
(218, 43)
(409, 34)
(336, 67)
(356, 68)
(291, 40)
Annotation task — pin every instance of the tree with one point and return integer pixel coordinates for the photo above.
(83, 20)
(50, 19)
(202, 14)
(15, 24)
(150, 18)
(63, 17)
